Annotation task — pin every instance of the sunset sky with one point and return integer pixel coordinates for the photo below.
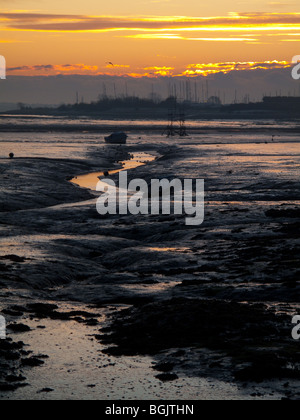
(147, 37)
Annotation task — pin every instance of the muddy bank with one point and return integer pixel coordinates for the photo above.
(16, 357)
(32, 183)
(244, 335)
(199, 288)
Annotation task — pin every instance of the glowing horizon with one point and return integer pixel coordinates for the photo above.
(39, 42)
(191, 70)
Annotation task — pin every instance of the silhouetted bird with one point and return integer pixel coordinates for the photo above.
(11, 156)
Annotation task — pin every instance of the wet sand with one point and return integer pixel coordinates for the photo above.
(242, 263)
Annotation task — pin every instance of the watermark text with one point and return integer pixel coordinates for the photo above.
(296, 68)
(164, 197)
(2, 328)
(296, 329)
(2, 68)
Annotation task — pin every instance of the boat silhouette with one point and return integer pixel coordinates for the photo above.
(116, 138)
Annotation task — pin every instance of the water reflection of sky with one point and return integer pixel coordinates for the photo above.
(91, 180)
(82, 145)
(56, 120)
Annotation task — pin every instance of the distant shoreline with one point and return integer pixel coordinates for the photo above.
(101, 129)
(278, 108)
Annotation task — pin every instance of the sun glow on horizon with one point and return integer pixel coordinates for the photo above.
(122, 70)
(143, 41)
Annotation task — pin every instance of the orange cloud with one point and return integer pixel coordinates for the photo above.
(118, 66)
(183, 38)
(213, 68)
(25, 21)
(153, 36)
(54, 69)
(8, 41)
(160, 71)
(191, 70)
(139, 75)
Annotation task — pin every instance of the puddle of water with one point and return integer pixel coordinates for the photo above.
(91, 180)
(162, 249)
(78, 370)
(151, 288)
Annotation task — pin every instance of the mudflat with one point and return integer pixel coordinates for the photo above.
(201, 312)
